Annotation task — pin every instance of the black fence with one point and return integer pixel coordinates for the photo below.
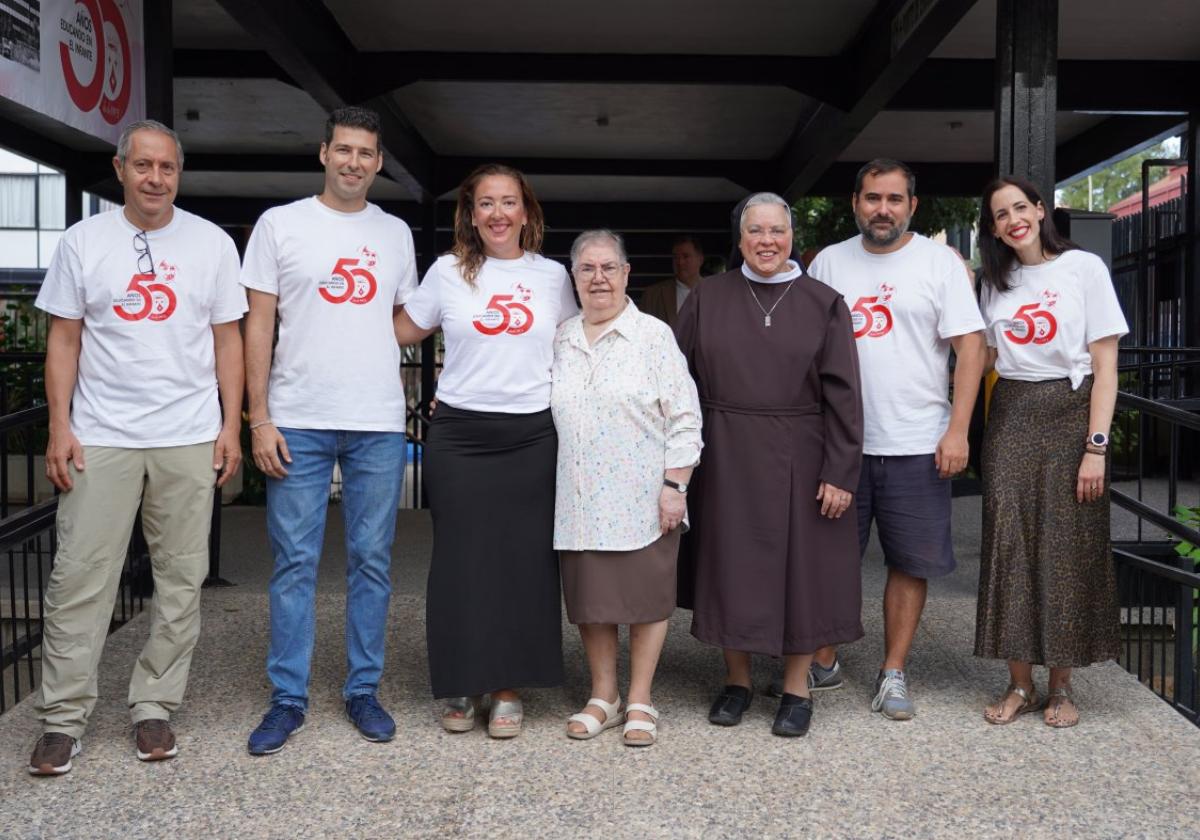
(1158, 571)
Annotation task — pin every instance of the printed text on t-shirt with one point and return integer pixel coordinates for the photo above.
(506, 313)
(350, 281)
(145, 298)
(871, 316)
(1033, 322)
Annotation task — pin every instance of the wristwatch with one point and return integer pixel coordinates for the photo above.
(681, 486)
(1098, 439)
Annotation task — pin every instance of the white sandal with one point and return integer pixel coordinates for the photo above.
(613, 716)
(640, 726)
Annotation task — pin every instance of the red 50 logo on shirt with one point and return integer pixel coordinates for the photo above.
(145, 298)
(506, 313)
(871, 316)
(351, 279)
(1033, 322)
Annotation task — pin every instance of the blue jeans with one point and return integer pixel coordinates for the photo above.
(372, 466)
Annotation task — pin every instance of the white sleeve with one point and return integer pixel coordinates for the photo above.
(424, 306)
(985, 301)
(229, 302)
(1102, 311)
(959, 313)
(62, 291)
(408, 272)
(818, 269)
(260, 266)
(567, 306)
(678, 398)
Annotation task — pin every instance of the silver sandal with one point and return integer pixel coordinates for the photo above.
(458, 713)
(510, 711)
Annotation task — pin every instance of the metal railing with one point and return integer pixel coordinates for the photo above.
(1159, 585)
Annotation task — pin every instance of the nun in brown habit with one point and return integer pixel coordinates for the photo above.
(774, 557)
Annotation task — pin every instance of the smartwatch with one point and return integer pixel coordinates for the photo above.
(681, 486)
(1098, 439)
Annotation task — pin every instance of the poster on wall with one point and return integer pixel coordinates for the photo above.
(78, 61)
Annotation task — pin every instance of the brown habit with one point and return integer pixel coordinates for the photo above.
(782, 412)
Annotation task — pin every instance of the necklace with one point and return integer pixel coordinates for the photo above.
(767, 312)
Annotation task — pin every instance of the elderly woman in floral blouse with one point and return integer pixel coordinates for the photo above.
(628, 422)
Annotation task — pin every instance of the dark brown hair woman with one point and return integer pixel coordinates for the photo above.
(1047, 588)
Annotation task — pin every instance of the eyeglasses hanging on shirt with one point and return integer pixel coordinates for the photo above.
(145, 261)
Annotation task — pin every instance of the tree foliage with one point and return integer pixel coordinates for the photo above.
(822, 221)
(1113, 183)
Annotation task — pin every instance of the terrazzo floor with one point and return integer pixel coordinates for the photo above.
(1130, 769)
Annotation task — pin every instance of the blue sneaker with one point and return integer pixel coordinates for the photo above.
(278, 724)
(891, 695)
(369, 717)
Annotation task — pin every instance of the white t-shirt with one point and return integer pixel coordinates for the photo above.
(147, 371)
(1041, 327)
(905, 307)
(337, 276)
(499, 334)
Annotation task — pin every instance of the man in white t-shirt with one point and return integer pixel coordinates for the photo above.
(333, 268)
(910, 302)
(144, 305)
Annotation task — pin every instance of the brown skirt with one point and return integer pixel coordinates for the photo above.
(621, 587)
(1047, 585)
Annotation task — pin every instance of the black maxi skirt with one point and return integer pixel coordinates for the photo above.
(493, 608)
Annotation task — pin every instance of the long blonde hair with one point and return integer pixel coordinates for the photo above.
(468, 247)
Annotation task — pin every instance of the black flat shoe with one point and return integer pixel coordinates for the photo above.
(730, 705)
(794, 716)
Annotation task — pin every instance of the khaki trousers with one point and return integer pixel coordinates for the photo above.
(95, 519)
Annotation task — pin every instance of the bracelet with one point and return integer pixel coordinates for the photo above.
(267, 422)
(1092, 449)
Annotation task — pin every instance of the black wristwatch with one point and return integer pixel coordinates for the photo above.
(681, 486)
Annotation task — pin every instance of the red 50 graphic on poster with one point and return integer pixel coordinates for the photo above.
(96, 40)
(506, 313)
(1032, 323)
(145, 298)
(871, 317)
(351, 279)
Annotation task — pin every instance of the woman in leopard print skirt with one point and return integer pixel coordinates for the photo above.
(1047, 587)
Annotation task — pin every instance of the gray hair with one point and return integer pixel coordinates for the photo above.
(765, 198)
(126, 138)
(598, 237)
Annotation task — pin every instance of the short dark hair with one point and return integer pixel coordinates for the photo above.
(688, 238)
(354, 117)
(882, 166)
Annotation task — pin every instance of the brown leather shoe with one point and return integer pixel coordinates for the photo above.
(52, 754)
(155, 740)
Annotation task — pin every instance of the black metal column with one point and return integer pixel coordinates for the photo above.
(73, 199)
(159, 56)
(1191, 277)
(1027, 91)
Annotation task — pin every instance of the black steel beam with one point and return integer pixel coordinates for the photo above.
(228, 64)
(822, 78)
(939, 178)
(303, 37)
(1026, 91)
(897, 39)
(159, 59)
(749, 174)
(1132, 87)
(1108, 141)
(252, 162)
(91, 171)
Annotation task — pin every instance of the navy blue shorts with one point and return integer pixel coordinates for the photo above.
(911, 505)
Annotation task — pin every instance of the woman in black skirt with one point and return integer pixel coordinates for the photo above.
(493, 616)
(1047, 587)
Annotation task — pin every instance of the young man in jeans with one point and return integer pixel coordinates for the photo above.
(332, 267)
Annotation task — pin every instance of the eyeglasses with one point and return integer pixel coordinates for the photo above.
(145, 262)
(588, 272)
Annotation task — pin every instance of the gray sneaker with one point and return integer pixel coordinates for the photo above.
(820, 678)
(891, 695)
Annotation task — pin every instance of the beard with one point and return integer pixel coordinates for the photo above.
(894, 232)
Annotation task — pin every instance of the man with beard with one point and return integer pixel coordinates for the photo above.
(909, 304)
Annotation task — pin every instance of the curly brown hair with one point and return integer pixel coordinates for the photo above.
(468, 247)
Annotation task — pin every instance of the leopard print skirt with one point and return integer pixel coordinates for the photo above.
(1047, 584)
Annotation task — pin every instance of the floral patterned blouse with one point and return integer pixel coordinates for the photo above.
(626, 409)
